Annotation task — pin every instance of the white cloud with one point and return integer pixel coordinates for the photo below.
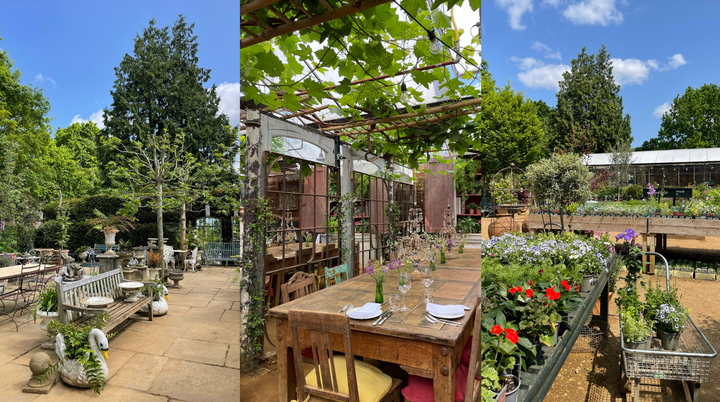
(661, 110)
(630, 71)
(40, 79)
(536, 74)
(96, 118)
(515, 10)
(549, 54)
(229, 94)
(553, 3)
(634, 71)
(593, 12)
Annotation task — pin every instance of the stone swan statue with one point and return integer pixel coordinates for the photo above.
(72, 372)
(160, 307)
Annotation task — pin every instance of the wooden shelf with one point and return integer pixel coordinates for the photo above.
(469, 214)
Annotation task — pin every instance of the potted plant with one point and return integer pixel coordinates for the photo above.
(160, 298)
(46, 306)
(82, 253)
(82, 350)
(637, 331)
(538, 318)
(670, 321)
(472, 208)
(110, 226)
(500, 354)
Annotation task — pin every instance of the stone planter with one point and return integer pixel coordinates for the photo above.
(684, 274)
(110, 239)
(47, 317)
(82, 256)
(176, 277)
(704, 277)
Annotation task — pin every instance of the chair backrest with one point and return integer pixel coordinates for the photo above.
(301, 284)
(167, 251)
(193, 255)
(335, 274)
(473, 391)
(319, 326)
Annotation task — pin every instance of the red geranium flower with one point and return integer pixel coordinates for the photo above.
(565, 284)
(516, 289)
(529, 293)
(531, 281)
(513, 290)
(552, 294)
(511, 335)
(496, 330)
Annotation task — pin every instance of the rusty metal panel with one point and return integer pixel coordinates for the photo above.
(439, 193)
(312, 208)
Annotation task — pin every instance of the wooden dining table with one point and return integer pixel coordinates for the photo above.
(16, 271)
(406, 338)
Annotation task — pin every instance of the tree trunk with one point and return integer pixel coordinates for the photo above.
(562, 220)
(183, 230)
(158, 191)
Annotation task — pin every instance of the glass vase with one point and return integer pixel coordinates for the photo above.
(432, 264)
(378, 292)
(442, 257)
(460, 249)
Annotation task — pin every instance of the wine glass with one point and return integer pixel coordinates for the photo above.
(427, 278)
(394, 301)
(404, 283)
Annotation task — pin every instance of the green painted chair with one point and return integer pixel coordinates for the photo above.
(335, 275)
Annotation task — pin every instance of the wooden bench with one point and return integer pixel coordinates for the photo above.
(70, 295)
(221, 251)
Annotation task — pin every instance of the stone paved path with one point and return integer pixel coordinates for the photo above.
(191, 354)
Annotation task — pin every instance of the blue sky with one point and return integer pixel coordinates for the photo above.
(661, 48)
(70, 48)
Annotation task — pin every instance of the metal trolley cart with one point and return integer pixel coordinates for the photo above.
(691, 363)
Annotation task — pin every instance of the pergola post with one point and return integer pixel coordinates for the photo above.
(389, 167)
(253, 262)
(346, 188)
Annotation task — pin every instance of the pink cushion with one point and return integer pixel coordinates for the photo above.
(465, 359)
(307, 352)
(420, 389)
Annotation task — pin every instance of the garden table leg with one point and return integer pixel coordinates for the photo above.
(444, 374)
(285, 363)
(636, 390)
(651, 248)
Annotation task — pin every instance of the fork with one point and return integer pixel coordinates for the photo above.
(342, 310)
(437, 320)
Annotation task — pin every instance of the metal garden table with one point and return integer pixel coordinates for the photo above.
(691, 363)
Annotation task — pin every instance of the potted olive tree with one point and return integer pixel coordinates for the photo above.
(560, 180)
(110, 226)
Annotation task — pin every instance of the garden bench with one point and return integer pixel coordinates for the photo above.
(221, 251)
(70, 295)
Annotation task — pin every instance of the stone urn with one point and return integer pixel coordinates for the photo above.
(176, 277)
(46, 318)
(110, 239)
(83, 255)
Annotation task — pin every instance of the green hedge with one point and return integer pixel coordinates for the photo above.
(81, 234)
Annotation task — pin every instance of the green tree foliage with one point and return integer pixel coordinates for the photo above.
(379, 41)
(512, 130)
(589, 99)
(692, 122)
(24, 137)
(160, 89)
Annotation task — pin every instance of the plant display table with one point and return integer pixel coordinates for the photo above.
(537, 380)
(690, 363)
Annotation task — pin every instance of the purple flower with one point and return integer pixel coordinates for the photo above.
(627, 235)
(651, 189)
(2, 225)
(370, 269)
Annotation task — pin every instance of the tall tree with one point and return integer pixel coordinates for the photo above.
(24, 136)
(692, 122)
(160, 87)
(589, 99)
(620, 163)
(511, 128)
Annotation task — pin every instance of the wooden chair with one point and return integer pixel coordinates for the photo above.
(192, 260)
(467, 386)
(335, 275)
(301, 284)
(328, 386)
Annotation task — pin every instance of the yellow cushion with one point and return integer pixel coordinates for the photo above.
(373, 384)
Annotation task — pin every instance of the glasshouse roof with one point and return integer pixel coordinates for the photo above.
(665, 157)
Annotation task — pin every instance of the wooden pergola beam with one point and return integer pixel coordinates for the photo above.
(253, 5)
(307, 23)
(429, 120)
(433, 110)
(280, 15)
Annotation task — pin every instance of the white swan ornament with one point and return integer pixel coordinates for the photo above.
(160, 307)
(71, 371)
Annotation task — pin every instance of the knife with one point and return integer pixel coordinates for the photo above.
(385, 319)
(381, 316)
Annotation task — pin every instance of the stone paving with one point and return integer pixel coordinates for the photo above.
(190, 354)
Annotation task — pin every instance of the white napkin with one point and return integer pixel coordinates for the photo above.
(453, 309)
(365, 311)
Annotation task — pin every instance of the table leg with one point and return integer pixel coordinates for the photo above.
(644, 238)
(636, 390)
(285, 364)
(444, 375)
(651, 248)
